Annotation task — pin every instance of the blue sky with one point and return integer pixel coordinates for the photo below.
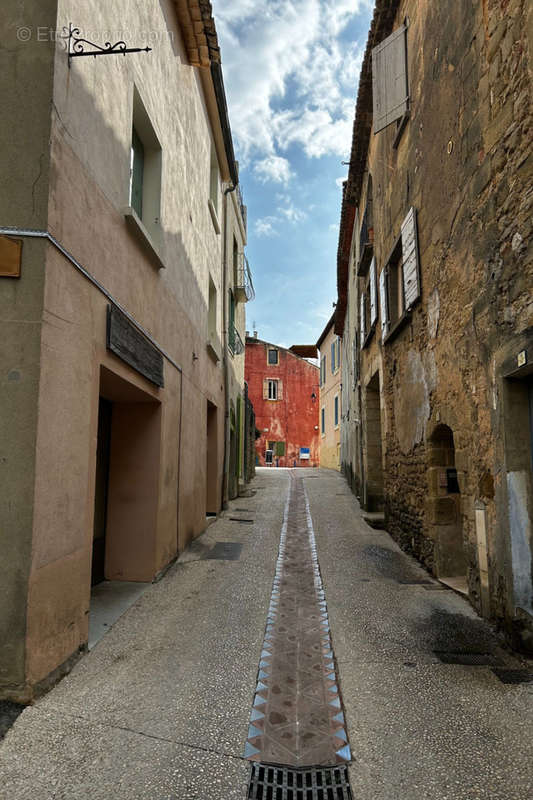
(291, 70)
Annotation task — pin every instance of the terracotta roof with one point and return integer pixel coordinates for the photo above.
(380, 28)
(199, 31)
(304, 350)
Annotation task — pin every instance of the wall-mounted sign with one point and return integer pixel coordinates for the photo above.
(128, 343)
(522, 358)
(10, 257)
(304, 453)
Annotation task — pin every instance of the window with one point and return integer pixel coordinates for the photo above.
(390, 88)
(338, 352)
(336, 410)
(272, 389)
(235, 262)
(212, 311)
(272, 357)
(214, 179)
(323, 421)
(323, 370)
(400, 280)
(333, 350)
(368, 311)
(145, 170)
(137, 171)
(280, 449)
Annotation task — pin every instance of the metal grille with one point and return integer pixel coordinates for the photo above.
(467, 658)
(285, 783)
(513, 676)
(225, 551)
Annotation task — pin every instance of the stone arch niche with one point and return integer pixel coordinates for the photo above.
(445, 521)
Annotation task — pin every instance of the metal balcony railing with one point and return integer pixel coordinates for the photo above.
(244, 287)
(235, 343)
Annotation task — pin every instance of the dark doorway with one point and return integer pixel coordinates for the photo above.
(211, 489)
(101, 491)
(373, 500)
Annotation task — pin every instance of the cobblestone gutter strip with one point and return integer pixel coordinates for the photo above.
(297, 717)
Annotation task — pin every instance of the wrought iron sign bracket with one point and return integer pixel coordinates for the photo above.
(77, 46)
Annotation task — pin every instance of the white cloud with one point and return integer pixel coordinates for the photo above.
(273, 168)
(291, 46)
(292, 214)
(265, 226)
(334, 226)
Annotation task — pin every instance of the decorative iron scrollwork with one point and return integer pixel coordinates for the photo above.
(77, 46)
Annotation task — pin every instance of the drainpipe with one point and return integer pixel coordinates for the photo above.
(225, 474)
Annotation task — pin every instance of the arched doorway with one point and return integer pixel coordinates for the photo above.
(444, 510)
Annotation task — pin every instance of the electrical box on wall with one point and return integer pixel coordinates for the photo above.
(10, 257)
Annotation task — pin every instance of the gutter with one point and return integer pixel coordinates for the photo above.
(220, 94)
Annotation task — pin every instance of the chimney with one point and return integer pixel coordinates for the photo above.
(247, 334)
(255, 334)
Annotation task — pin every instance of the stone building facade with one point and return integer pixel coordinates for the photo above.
(435, 301)
(118, 197)
(330, 360)
(283, 388)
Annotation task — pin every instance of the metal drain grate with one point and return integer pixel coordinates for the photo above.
(514, 676)
(467, 658)
(225, 551)
(240, 519)
(285, 783)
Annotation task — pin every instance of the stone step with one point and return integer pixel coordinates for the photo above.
(376, 519)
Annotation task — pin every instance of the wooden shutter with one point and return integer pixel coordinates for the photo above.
(265, 389)
(383, 301)
(362, 323)
(280, 390)
(373, 293)
(411, 271)
(389, 79)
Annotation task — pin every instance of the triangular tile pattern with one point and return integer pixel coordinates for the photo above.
(297, 716)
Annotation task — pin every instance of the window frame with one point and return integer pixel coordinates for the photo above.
(269, 351)
(323, 421)
(273, 389)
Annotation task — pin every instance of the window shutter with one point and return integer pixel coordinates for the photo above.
(362, 324)
(383, 300)
(332, 357)
(354, 347)
(280, 390)
(411, 272)
(265, 389)
(389, 79)
(373, 293)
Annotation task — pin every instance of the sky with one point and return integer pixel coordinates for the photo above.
(291, 71)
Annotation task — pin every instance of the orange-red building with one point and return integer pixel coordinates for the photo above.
(284, 390)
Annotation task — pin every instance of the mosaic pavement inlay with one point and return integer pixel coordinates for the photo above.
(297, 717)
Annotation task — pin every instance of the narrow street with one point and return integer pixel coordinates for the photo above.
(310, 639)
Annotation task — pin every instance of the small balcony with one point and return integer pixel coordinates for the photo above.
(235, 343)
(366, 244)
(244, 287)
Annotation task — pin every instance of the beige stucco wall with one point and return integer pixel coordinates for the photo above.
(330, 439)
(90, 134)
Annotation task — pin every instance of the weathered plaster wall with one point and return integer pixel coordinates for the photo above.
(89, 153)
(294, 419)
(27, 70)
(331, 438)
(464, 161)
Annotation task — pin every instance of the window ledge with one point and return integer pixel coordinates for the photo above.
(213, 349)
(369, 336)
(214, 215)
(397, 327)
(140, 231)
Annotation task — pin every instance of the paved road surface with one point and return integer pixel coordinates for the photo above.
(160, 709)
